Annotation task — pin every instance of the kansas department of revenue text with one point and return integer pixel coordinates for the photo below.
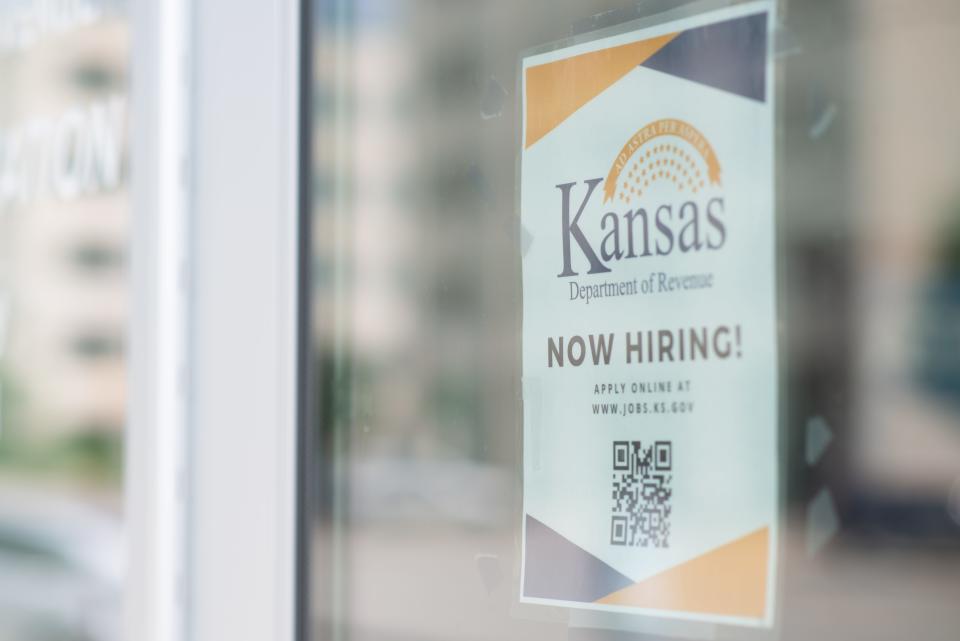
(656, 283)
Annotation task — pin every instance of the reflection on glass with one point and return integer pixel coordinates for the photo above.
(63, 229)
(415, 471)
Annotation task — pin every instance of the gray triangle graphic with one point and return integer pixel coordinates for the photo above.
(557, 568)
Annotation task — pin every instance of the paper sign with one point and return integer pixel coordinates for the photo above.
(650, 478)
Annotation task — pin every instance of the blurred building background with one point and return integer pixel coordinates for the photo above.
(416, 307)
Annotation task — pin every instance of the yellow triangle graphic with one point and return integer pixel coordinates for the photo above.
(557, 89)
(730, 580)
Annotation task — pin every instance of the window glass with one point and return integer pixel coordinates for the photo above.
(414, 476)
(63, 241)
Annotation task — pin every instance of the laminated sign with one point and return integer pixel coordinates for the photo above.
(650, 463)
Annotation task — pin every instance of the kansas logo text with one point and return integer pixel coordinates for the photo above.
(662, 194)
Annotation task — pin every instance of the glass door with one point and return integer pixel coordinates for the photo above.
(809, 300)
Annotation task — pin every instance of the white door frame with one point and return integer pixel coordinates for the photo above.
(211, 449)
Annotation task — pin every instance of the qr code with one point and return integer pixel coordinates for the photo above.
(642, 494)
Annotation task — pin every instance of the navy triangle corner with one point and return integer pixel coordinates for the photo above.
(729, 55)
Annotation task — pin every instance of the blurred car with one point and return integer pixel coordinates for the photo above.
(60, 570)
